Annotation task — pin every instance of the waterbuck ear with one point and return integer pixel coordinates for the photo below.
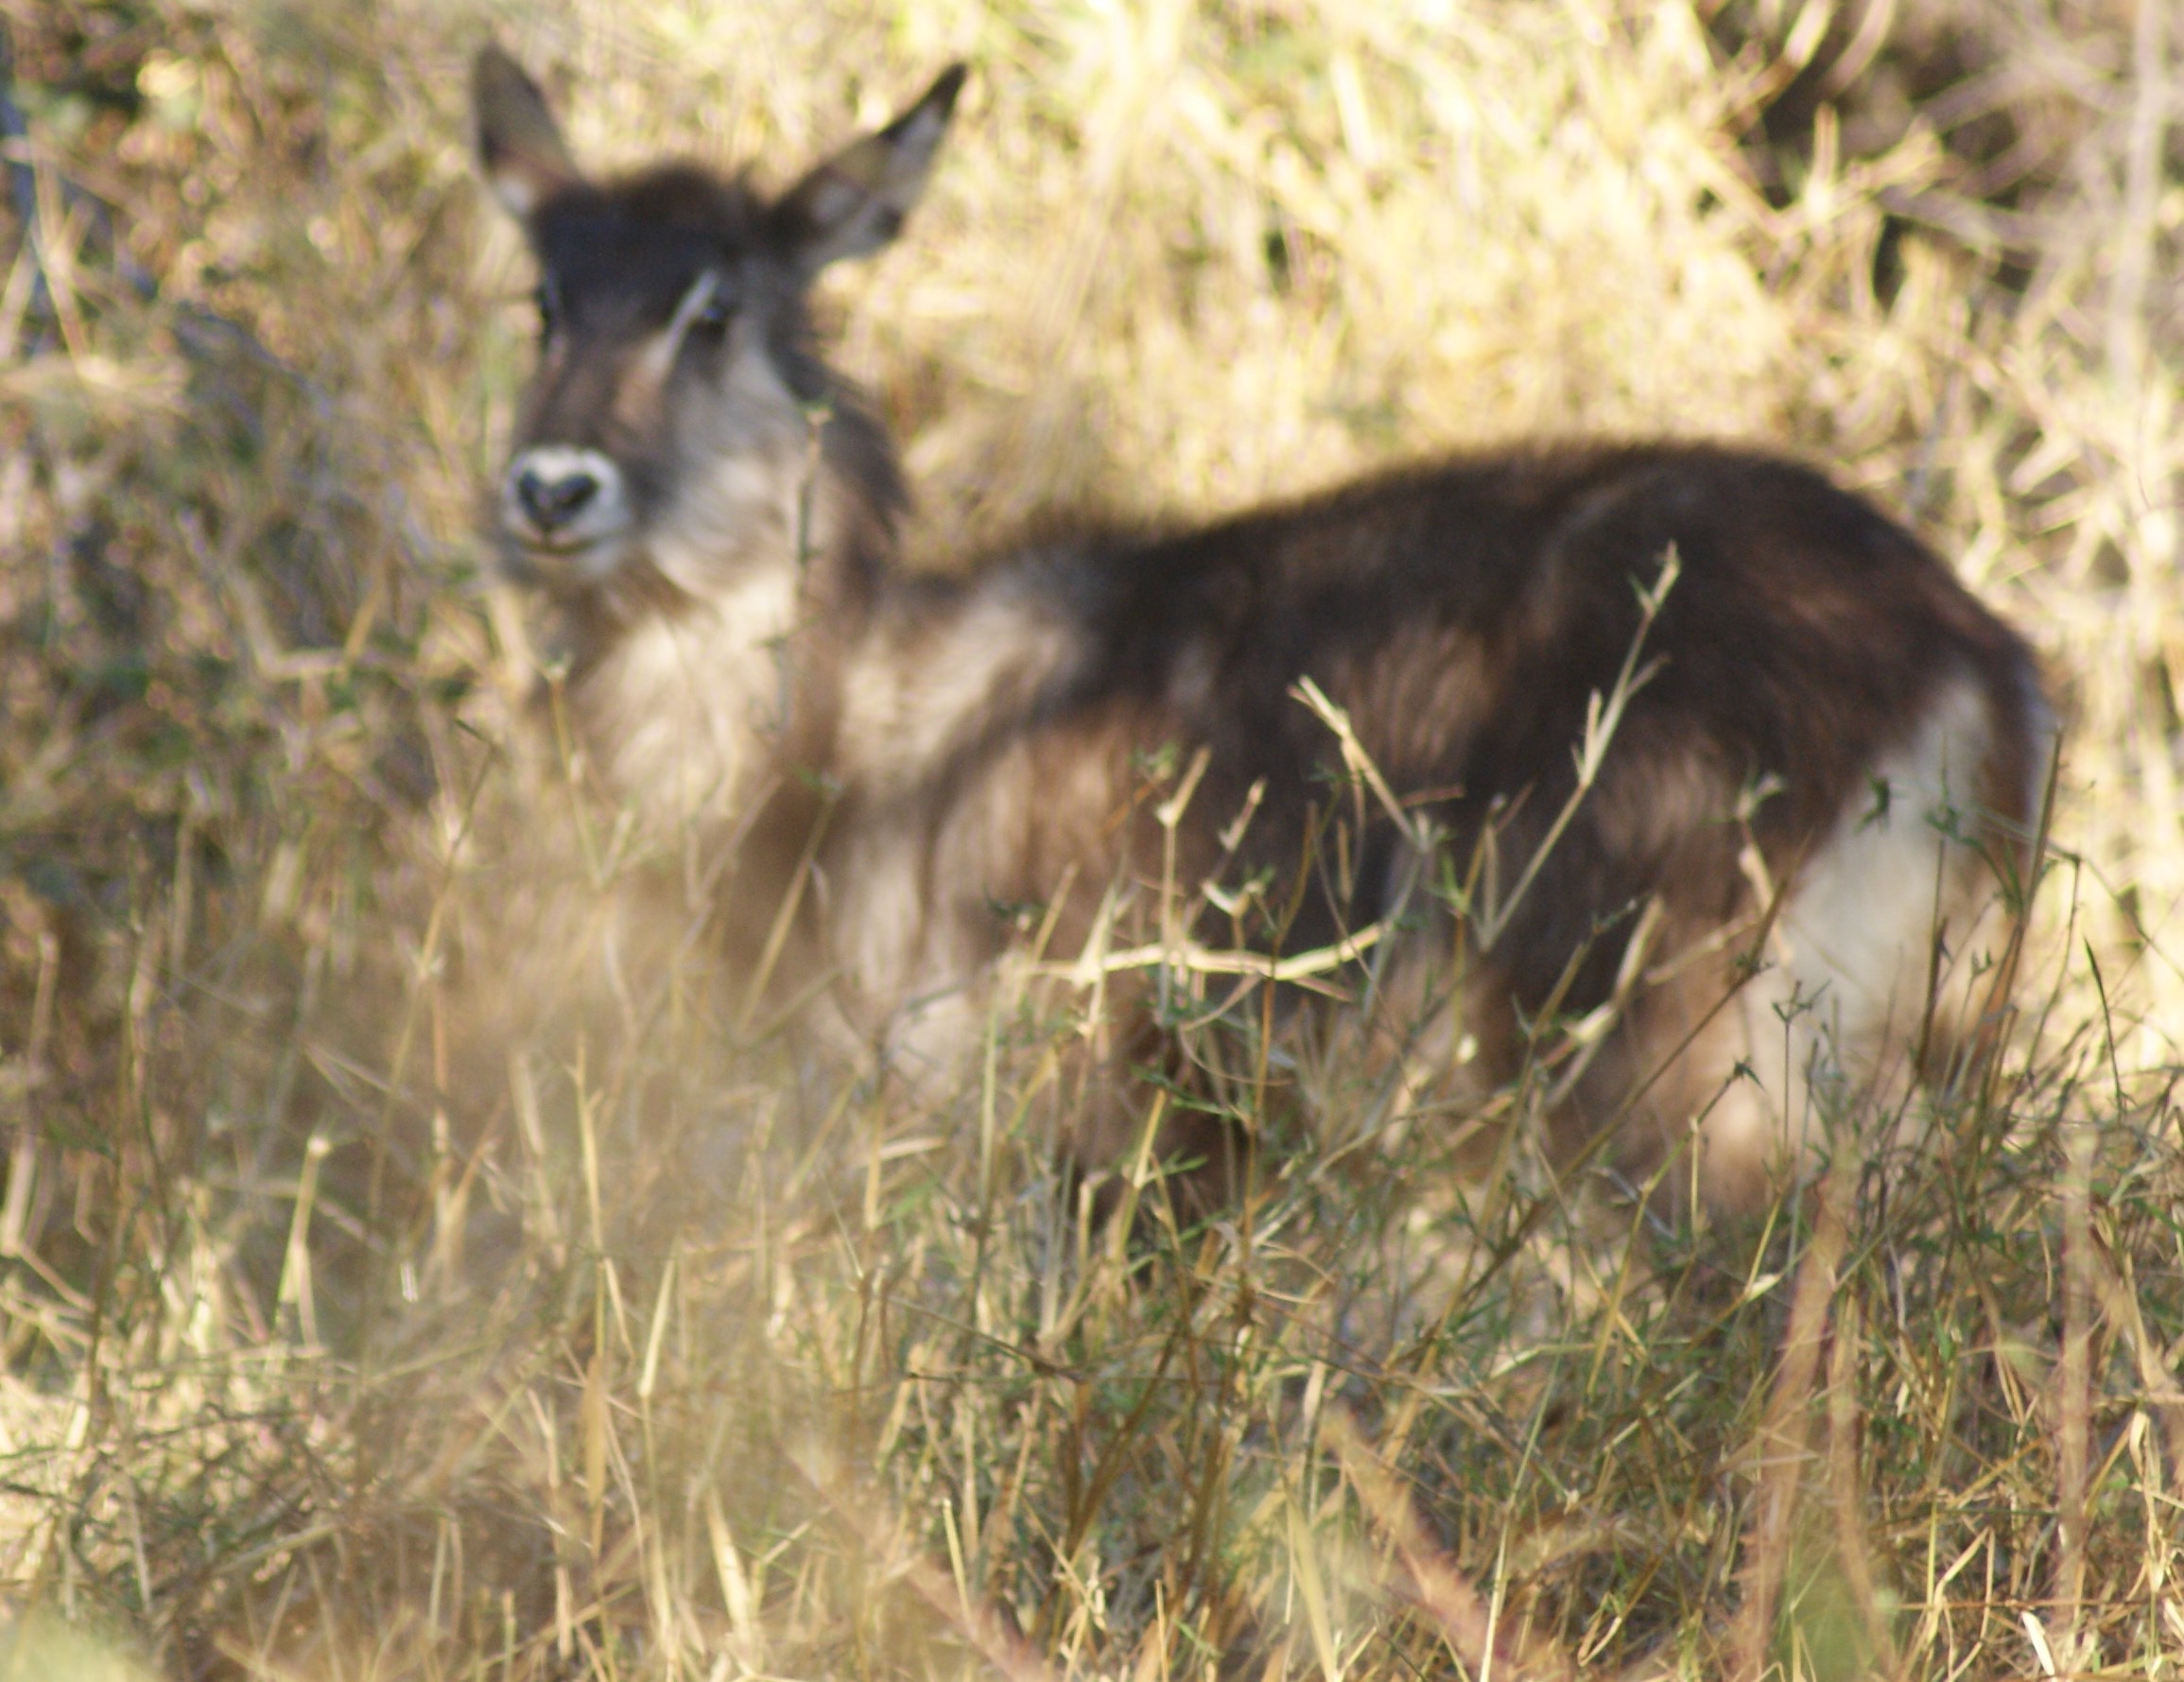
(856, 201)
(518, 142)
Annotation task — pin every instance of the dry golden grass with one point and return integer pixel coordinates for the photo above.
(400, 1279)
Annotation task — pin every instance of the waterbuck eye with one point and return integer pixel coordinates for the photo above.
(548, 300)
(717, 311)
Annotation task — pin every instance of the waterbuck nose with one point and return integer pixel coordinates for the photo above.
(554, 499)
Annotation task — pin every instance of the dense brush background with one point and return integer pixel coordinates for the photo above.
(399, 1279)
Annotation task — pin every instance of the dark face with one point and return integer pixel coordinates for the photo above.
(666, 357)
(666, 421)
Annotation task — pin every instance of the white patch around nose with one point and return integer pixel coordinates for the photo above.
(605, 516)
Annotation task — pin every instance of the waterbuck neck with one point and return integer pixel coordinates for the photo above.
(711, 665)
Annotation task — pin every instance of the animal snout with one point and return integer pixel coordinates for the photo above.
(549, 502)
(560, 498)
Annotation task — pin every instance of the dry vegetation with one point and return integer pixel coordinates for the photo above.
(395, 1283)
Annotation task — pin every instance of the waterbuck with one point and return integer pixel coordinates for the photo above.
(1677, 743)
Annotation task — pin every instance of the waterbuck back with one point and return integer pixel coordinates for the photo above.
(1669, 770)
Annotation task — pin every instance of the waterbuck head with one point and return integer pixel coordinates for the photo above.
(666, 439)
